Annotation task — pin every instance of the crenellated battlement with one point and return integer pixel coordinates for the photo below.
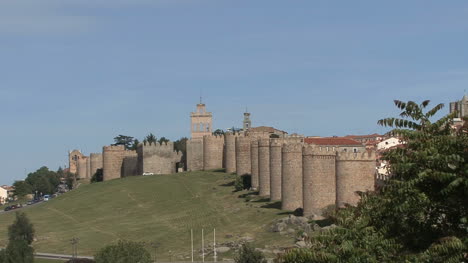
(213, 137)
(350, 156)
(311, 149)
(113, 148)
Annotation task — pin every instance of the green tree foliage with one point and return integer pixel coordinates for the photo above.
(22, 188)
(163, 140)
(20, 237)
(218, 132)
(420, 215)
(98, 176)
(43, 181)
(248, 254)
(21, 229)
(124, 140)
(134, 145)
(181, 146)
(150, 138)
(123, 252)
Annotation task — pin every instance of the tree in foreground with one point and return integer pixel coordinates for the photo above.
(248, 254)
(421, 214)
(20, 237)
(123, 252)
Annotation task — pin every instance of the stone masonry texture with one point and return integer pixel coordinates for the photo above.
(291, 183)
(213, 147)
(264, 167)
(254, 162)
(275, 169)
(319, 181)
(112, 161)
(230, 152)
(195, 154)
(354, 172)
(243, 163)
(96, 162)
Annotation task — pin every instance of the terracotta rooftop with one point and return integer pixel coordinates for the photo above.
(364, 136)
(332, 141)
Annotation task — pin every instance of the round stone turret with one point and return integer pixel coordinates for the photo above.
(112, 157)
(319, 181)
(243, 164)
(275, 169)
(354, 172)
(254, 160)
(291, 183)
(230, 152)
(264, 167)
(81, 169)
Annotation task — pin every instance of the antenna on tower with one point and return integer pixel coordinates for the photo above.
(201, 95)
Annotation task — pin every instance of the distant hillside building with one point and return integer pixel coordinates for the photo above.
(461, 107)
(3, 195)
(340, 144)
(266, 132)
(201, 122)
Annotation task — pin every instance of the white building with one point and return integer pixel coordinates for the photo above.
(388, 143)
(3, 195)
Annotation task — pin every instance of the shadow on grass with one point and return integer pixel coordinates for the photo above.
(275, 205)
(247, 194)
(324, 222)
(286, 213)
(262, 200)
(219, 170)
(227, 184)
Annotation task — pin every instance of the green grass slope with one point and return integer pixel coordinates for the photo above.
(159, 209)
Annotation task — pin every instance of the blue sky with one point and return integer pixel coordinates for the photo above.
(76, 73)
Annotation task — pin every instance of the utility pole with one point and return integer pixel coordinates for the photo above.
(214, 244)
(203, 246)
(191, 238)
(74, 243)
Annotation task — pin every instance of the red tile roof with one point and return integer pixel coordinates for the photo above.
(332, 141)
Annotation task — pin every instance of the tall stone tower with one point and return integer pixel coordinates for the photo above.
(201, 121)
(461, 107)
(247, 123)
(73, 158)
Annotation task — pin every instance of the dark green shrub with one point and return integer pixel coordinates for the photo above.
(243, 182)
(123, 252)
(248, 254)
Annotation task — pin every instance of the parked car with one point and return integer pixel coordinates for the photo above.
(8, 208)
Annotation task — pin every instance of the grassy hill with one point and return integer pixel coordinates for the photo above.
(151, 208)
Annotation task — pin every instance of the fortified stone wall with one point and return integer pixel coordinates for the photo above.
(275, 169)
(130, 164)
(88, 168)
(195, 154)
(291, 180)
(112, 161)
(319, 180)
(81, 167)
(230, 152)
(354, 172)
(243, 158)
(157, 158)
(264, 167)
(213, 152)
(96, 162)
(254, 162)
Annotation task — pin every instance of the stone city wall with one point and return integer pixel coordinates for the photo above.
(275, 169)
(112, 157)
(213, 152)
(195, 154)
(291, 180)
(254, 162)
(230, 152)
(81, 168)
(130, 164)
(319, 182)
(354, 172)
(264, 167)
(243, 158)
(96, 162)
(157, 158)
